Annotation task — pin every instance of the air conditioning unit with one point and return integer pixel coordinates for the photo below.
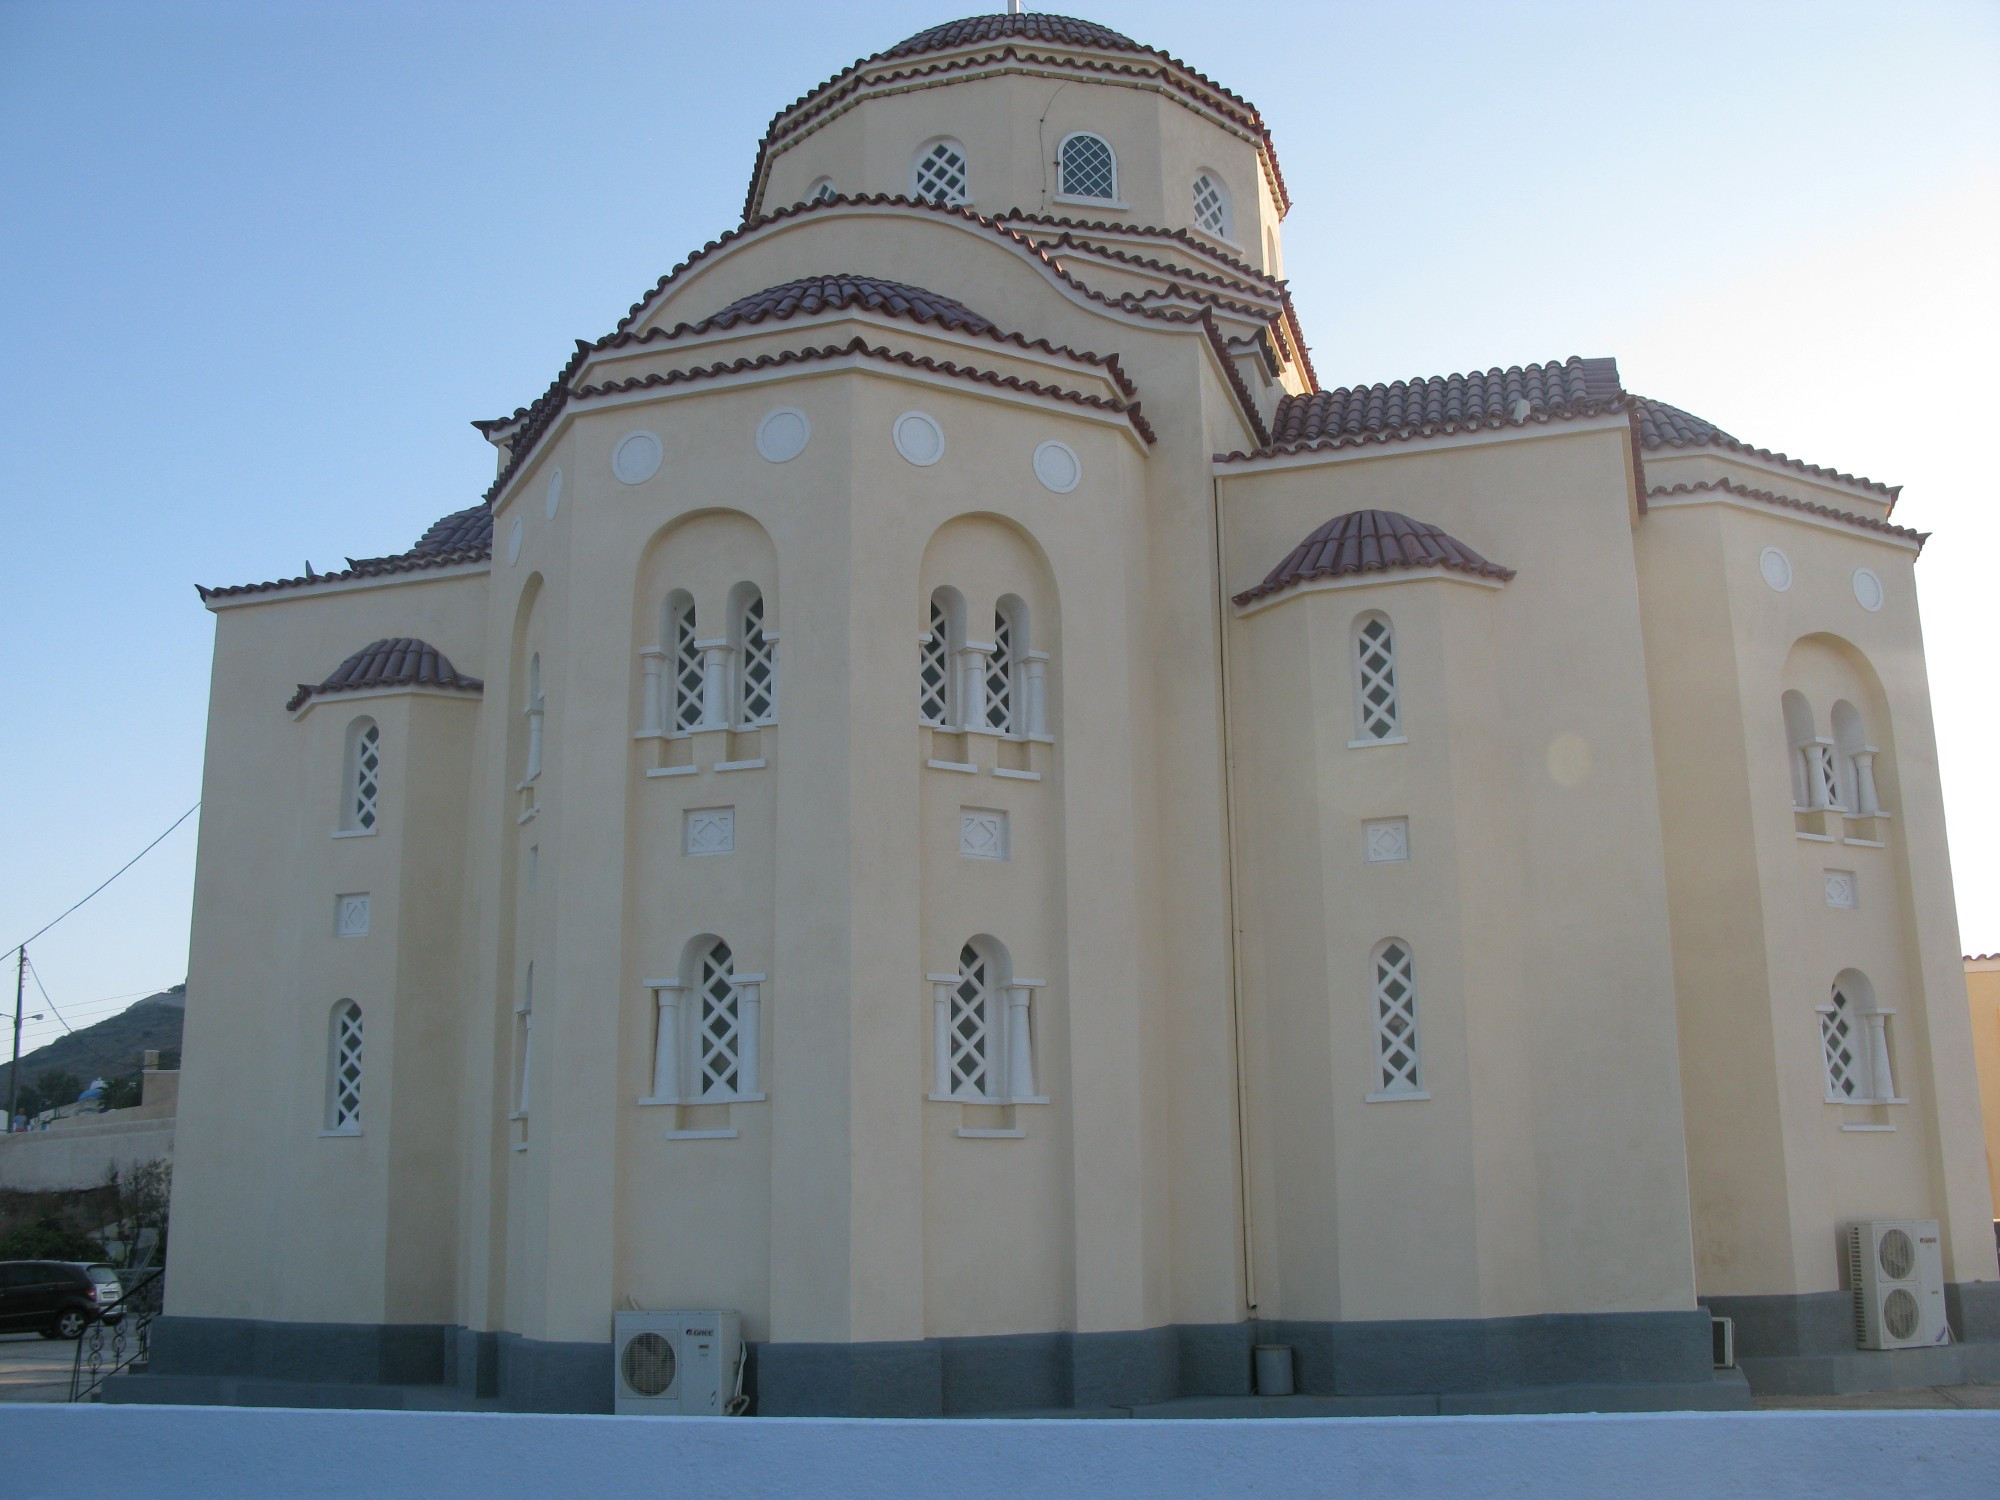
(676, 1364)
(1896, 1268)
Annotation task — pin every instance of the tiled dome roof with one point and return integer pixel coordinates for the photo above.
(1064, 31)
(471, 527)
(813, 294)
(399, 662)
(1373, 541)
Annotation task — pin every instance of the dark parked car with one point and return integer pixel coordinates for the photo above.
(54, 1298)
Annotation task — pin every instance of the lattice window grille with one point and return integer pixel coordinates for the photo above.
(1000, 677)
(941, 175)
(1828, 773)
(1210, 216)
(367, 777)
(934, 670)
(719, 1037)
(688, 671)
(971, 1022)
(1846, 1067)
(1375, 660)
(760, 667)
(346, 1112)
(1088, 169)
(1396, 1021)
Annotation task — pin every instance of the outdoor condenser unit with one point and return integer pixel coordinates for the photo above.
(1896, 1267)
(675, 1364)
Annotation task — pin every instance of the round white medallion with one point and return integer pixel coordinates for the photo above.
(514, 542)
(1867, 589)
(1776, 568)
(919, 438)
(1058, 467)
(555, 491)
(783, 434)
(636, 458)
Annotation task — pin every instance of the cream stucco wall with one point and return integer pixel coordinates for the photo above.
(1982, 984)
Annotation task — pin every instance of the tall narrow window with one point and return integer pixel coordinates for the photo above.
(1856, 762)
(1089, 170)
(343, 1091)
(688, 669)
(719, 1041)
(934, 665)
(524, 1038)
(534, 716)
(973, 1029)
(359, 806)
(1211, 207)
(760, 665)
(940, 174)
(1854, 1044)
(1398, 1068)
(1378, 714)
(1000, 676)
(705, 1045)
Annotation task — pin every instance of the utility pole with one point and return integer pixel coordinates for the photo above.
(14, 1073)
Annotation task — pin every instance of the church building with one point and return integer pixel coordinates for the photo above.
(958, 800)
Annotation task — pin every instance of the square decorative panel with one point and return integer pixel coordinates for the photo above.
(711, 830)
(1840, 889)
(982, 833)
(1386, 840)
(350, 917)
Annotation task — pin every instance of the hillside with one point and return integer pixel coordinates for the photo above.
(113, 1048)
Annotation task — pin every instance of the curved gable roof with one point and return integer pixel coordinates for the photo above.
(1372, 541)
(399, 661)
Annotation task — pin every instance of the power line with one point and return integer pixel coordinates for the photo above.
(114, 875)
(87, 1046)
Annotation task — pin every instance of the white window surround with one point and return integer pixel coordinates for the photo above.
(1377, 695)
(1087, 169)
(361, 793)
(1854, 1045)
(754, 656)
(707, 1036)
(1213, 212)
(692, 683)
(972, 1045)
(1398, 1059)
(985, 687)
(343, 1072)
(941, 172)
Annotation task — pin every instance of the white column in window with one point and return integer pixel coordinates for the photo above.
(667, 1041)
(941, 987)
(717, 661)
(1882, 1078)
(1034, 670)
(653, 663)
(1822, 776)
(973, 657)
(1021, 1040)
(749, 1015)
(1866, 803)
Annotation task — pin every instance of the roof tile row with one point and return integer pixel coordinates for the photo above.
(1788, 502)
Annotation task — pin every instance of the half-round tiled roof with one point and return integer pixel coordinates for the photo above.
(1664, 426)
(816, 294)
(1575, 387)
(462, 529)
(402, 661)
(1373, 541)
(1033, 26)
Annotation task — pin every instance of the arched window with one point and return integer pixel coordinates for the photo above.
(758, 677)
(1001, 708)
(689, 672)
(1211, 206)
(343, 1072)
(533, 712)
(1378, 714)
(982, 1029)
(705, 1047)
(1854, 1043)
(940, 174)
(524, 1042)
(937, 650)
(1856, 760)
(1815, 776)
(1088, 167)
(821, 191)
(1398, 1063)
(361, 791)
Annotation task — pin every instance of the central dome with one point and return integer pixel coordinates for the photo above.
(1064, 31)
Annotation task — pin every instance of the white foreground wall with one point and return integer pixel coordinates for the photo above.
(208, 1451)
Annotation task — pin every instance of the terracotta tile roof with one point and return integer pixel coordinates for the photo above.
(815, 294)
(1981, 958)
(1664, 426)
(1787, 502)
(1372, 541)
(859, 347)
(1016, 38)
(464, 536)
(401, 662)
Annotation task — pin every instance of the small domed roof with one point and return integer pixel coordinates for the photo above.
(1373, 541)
(401, 661)
(1065, 31)
(815, 294)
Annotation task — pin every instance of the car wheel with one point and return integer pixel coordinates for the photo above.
(69, 1324)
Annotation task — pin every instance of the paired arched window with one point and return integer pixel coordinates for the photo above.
(1398, 1062)
(689, 665)
(983, 1039)
(1854, 1043)
(940, 173)
(1211, 206)
(1087, 167)
(1378, 714)
(706, 1038)
(756, 658)
(998, 686)
(727, 683)
(361, 781)
(1830, 774)
(937, 655)
(343, 1070)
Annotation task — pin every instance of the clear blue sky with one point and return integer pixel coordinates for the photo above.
(260, 264)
